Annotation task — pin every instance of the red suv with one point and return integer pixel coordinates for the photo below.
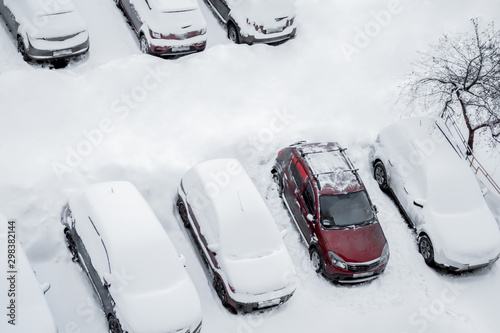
(332, 210)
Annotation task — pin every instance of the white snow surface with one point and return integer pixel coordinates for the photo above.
(161, 117)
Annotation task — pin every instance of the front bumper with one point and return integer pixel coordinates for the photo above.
(254, 306)
(335, 274)
(455, 266)
(52, 54)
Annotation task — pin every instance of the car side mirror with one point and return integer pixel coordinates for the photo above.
(45, 287)
(182, 259)
(107, 278)
(310, 218)
(284, 232)
(375, 209)
(484, 191)
(214, 248)
(419, 203)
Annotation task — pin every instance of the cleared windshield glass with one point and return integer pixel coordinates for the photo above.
(342, 210)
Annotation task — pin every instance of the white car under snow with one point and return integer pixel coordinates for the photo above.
(166, 27)
(439, 194)
(236, 235)
(130, 261)
(46, 29)
(257, 21)
(25, 306)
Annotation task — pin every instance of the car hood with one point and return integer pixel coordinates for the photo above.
(471, 238)
(152, 312)
(260, 275)
(356, 245)
(63, 25)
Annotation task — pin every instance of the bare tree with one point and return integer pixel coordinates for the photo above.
(461, 74)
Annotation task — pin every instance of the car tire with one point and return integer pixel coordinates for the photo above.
(380, 175)
(317, 260)
(21, 48)
(144, 45)
(221, 290)
(183, 214)
(232, 33)
(114, 324)
(279, 185)
(426, 249)
(71, 245)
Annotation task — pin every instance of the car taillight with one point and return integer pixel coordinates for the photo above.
(280, 152)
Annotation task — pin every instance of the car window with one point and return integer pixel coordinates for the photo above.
(309, 200)
(298, 172)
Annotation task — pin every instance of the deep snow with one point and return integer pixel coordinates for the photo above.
(121, 115)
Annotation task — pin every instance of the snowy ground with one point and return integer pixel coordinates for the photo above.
(121, 115)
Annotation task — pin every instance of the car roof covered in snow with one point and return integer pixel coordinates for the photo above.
(133, 236)
(329, 167)
(230, 210)
(435, 171)
(41, 8)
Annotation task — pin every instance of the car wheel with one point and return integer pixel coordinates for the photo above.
(220, 289)
(426, 249)
(233, 34)
(22, 48)
(380, 176)
(317, 260)
(71, 245)
(279, 185)
(183, 214)
(144, 45)
(114, 324)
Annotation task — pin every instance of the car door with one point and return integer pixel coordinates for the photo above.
(130, 8)
(8, 15)
(95, 256)
(205, 244)
(294, 187)
(307, 207)
(222, 8)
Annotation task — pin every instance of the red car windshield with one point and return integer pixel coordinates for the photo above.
(344, 210)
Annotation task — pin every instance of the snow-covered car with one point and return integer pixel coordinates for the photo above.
(414, 161)
(27, 309)
(236, 236)
(132, 264)
(46, 31)
(332, 210)
(166, 27)
(257, 21)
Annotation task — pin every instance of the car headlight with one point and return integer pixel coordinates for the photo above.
(385, 254)
(256, 26)
(154, 34)
(336, 260)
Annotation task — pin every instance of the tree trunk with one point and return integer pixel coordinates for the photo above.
(470, 140)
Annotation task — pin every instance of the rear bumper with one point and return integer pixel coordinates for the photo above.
(168, 50)
(38, 54)
(276, 39)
